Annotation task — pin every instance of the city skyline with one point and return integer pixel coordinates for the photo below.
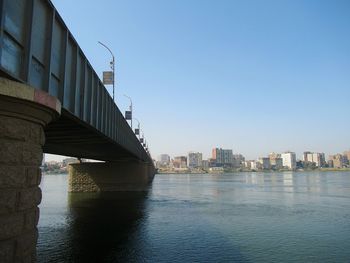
(208, 154)
(253, 76)
(299, 156)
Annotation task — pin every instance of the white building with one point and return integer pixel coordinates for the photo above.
(289, 160)
(255, 165)
(317, 158)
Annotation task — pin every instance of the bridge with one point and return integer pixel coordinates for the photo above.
(52, 101)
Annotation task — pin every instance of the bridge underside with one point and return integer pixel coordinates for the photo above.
(71, 137)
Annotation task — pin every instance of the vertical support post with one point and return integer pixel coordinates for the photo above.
(48, 52)
(2, 17)
(28, 45)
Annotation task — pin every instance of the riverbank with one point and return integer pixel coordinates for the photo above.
(225, 171)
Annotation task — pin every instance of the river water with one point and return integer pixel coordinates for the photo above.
(242, 217)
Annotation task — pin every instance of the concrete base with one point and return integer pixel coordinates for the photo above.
(22, 120)
(110, 176)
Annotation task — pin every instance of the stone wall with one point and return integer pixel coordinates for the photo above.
(129, 175)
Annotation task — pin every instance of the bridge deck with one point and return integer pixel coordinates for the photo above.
(37, 48)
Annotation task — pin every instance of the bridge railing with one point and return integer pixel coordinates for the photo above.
(37, 48)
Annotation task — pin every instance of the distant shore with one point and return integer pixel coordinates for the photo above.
(252, 171)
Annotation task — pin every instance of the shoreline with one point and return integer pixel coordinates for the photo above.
(257, 171)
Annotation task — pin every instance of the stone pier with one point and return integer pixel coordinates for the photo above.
(110, 176)
(24, 112)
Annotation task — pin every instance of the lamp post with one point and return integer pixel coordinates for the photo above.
(137, 131)
(112, 63)
(130, 107)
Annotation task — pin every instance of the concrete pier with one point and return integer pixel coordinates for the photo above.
(110, 176)
(24, 112)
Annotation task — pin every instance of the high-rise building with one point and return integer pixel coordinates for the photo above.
(278, 163)
(337, 160)
(238, 160)
(164, 159)
(346, 155)
(194, 160)
(317, 158)
(180, 162)
(265, 162)
(273, 156)
(305, 156)
(289, 160)
(223, 157)
(255, 165)
(205, 164)
(248, 164)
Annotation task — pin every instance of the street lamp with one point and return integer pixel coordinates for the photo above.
(142, 139)
(137, 131)
(128, 115)
(107, 79)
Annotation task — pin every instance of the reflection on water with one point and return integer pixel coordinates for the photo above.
(95, 227)
(244, 217)
(101, 224)
(288, 179)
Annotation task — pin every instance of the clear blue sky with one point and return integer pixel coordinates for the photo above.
(250, 75)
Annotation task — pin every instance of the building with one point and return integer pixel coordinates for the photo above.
(164, 159)
(265, 162)
(205, 164)
(317, 158)
(276, 161)
(346, 155)
(254, 165)
(278, 164)
(194, 160)
(248, 164)
(337, 160)
(180, 162)
(238, 160)
(273, 156)
(223, 157)
(330, 163)
(305, 156)
(212, 162)
(289, 160)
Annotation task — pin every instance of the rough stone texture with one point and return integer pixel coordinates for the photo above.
(116, 176)
(12, 176)
(7, 201)
(11, 225)
(26, 247)
(7, 249)
(31, 218)
(33, 175)
(21, 141)
(81, 182)
(11, 151)
(29, 198)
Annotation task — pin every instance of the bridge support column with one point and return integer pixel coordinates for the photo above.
(23, 114)
(110, 176)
